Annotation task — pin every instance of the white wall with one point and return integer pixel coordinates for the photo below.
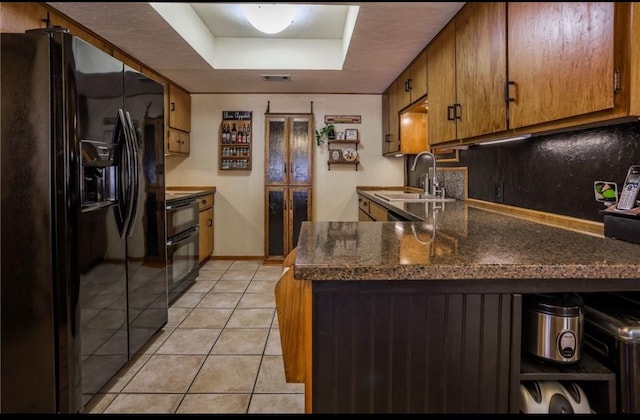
(239, 200)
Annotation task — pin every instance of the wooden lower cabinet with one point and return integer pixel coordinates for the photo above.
(368, 211)
(206, 227)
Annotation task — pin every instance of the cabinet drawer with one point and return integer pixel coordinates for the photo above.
(363, 204)
(205, 202)
(379, 213)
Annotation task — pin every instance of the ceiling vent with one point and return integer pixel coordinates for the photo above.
(276, 77)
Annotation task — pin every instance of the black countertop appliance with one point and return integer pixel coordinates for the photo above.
(83, 219)
(612, 335)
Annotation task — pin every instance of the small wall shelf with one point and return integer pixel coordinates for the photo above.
(235, 150)
(341, 153)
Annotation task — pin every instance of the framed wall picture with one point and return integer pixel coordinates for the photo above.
(335, 154)
(340, 135)
(351, 134)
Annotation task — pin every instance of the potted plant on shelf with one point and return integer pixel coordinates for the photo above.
(328, 131)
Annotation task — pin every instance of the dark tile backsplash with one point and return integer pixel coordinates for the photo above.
(553, 173)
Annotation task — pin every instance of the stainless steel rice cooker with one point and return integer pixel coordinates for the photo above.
(552, 326)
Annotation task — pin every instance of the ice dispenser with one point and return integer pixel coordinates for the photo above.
(99, 186)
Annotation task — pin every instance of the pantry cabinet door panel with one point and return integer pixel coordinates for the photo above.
(276, 159)
(301, 151)
(277, 235)
(300, 211)
(561, 60)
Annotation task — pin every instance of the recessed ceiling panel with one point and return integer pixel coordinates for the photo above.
(317, 38)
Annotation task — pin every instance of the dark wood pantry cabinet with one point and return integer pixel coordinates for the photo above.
(288, 180)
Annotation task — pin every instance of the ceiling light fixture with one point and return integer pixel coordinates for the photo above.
(270, 18)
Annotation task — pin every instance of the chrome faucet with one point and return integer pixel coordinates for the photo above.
(432, 187)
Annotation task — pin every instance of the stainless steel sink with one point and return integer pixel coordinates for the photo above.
(415, 197)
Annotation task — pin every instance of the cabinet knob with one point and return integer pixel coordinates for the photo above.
(173, 106)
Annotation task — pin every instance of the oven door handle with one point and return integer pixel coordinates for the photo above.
(183, 236)
(180, 204)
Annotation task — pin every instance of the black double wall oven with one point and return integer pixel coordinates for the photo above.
(182, 242)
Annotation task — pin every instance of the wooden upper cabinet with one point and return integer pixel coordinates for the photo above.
(179, 108)
(403, 90)
(441, 85)
(564, 65)
(413, 130)
(392, 142)
(467, 71)
(178, 142)
(419, 77)
(412, 83)
(481, 69)
(561, 60)
(387, 145)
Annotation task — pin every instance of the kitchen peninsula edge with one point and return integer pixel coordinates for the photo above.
(425, 316)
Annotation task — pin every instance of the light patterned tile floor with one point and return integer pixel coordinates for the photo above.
(219, 353)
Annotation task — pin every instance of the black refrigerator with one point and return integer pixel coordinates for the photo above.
(83, 261)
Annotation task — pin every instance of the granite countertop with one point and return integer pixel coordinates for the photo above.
(461, 242)
(178, 193)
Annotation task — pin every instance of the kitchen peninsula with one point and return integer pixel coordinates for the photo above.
(425, 316)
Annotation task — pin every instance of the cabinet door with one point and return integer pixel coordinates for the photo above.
(404, 92)
(177, 142)
(413, 131)
(412, 83)
(481, 69)
(276, 232)
(419, 77)
(206, 233)
(289, 150)
(179, 108)
(301, 150)
(466, 75)
(286, 209)
(299, 211)
(561, 60)
(277, 152)
(441, 83)
(393, 141)
(386, 134)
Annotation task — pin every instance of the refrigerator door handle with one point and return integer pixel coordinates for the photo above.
(133, 175)
(127, 203)
(119, 140)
